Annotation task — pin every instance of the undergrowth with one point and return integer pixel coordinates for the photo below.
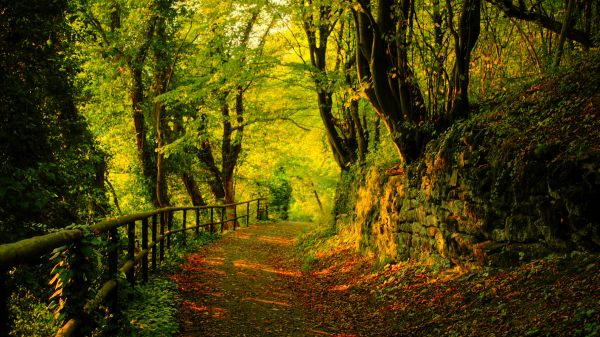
(151, 307)
(31, 316)
(308, 243)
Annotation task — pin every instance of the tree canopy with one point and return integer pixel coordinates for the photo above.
(222, 95)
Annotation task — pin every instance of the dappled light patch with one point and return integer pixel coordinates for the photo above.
(205, 269)
(267, 301)
(213, 261)
(349, 264)
(277, 294)
(245, 275)
(266, 268)
(345, 293)
(341, 287)
(544, 296)
(214, 312)
(322, 272)
(244, 236)
(277, 240)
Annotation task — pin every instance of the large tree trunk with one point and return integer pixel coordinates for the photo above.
(357, 142)
(192, 188)
(161, 78)
(464, 41)
(346, 135)
(204, 154)
(135, 62)
(383, 64)
(146, 150)
(563, 32)
(231, 148)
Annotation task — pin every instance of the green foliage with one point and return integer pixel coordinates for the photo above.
(30, 315)
(280, 195)
(77, 270)
(346, 191)
(309, 261)
(48, 159)
(307, 242)
(153, 310)
(178, 251)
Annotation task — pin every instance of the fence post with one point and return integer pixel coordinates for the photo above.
(4, 295)
(222, 218)
(197, 221)
(248, 214)
(154, 223)
(183, 226)
(113, 264)
(258, 210)
(212, 220)
(145, 247)
(266, 210)
(235, 219)
(169, 228)
(131, 250)
(76, 290)
(163, 220)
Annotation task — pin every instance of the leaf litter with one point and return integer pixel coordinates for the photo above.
(252, 283)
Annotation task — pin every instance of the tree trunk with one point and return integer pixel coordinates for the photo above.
(231, 148)
(114, 195)
(161, 77)
(192, 188)
(146, 151)
(115, 16)
(312, 185)
(437, 91)
(562, 37)
(465, 39)
(588, 19)
(357, 142)
(543, 20)
(383, 65)
(204, 154)
(99, 203)
(343, 146)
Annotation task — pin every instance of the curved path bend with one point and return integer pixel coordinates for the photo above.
(250, 283)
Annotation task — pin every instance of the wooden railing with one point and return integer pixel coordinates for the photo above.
(157, 224)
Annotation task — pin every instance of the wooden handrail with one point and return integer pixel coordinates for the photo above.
(27, 250)
(31, 249)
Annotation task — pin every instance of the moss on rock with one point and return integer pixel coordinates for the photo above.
(518, 179)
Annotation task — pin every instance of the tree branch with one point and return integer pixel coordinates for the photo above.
(543, 20)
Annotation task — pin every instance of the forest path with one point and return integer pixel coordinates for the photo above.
(250, 283)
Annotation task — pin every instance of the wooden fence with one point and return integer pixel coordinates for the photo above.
(158, 224)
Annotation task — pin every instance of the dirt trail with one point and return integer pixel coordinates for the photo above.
(249, 283)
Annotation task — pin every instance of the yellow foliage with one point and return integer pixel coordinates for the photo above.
(378, 199)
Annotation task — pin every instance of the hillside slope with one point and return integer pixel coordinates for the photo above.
(517, 180)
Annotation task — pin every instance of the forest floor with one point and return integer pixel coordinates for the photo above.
(255, 282)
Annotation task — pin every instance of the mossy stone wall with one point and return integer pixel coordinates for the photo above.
(518, 180)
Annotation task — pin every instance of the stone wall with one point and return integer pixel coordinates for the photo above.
(518, 181)
(440, 217)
